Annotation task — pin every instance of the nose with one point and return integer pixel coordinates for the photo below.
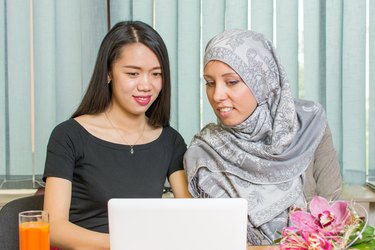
(220, 92)
(144, 83)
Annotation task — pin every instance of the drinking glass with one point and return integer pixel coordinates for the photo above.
(34, 230)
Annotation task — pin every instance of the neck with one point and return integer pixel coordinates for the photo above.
(122, 136)
(126, 122)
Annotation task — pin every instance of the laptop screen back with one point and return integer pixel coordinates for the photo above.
(178, 224)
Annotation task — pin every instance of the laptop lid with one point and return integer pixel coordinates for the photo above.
(178, 224)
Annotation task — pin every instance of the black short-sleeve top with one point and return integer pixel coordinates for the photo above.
(100, 170)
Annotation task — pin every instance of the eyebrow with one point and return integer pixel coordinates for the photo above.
(230, 73)
(136, 67)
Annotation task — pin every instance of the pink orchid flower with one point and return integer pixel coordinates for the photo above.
(303, 221)
(316, 241)
(325, 218)
(295, 239)
(330, 218)
(292, 239)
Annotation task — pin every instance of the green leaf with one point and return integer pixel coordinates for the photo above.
(367, 235)
(364, 246)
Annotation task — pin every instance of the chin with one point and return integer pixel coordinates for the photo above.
(228, 123)
(231, 122)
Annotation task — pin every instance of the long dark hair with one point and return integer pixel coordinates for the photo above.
(99, 93)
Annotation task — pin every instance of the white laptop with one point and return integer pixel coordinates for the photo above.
(177, 224)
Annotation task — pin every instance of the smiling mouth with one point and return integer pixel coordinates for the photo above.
(142, 100)
(226, 109)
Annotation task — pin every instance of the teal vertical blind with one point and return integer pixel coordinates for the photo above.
(371, 89)
(333, 70)
(45, 74)
(166, 21)
(18, 145)
(286, 39)
(66, 36)
(262, 17)
(48, 49)
(18, 87)
(3, 94)
(188, 67)
(354, 88)
(213, 22)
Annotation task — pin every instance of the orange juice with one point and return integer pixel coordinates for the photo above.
(34, 235)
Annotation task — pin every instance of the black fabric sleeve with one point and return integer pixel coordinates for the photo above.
(61, 152)
(178, 151)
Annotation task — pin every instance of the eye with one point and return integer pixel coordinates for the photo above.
(210, 83)
(232, 82)
(132, 74)
(157, 74)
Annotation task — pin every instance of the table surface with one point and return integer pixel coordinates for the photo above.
(359, 193)
(262, 248)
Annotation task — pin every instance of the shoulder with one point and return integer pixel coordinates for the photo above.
(207, 133)
(311, 116)
(326, 147)
(67, 126)
(69, 130)
(170, 133)
(308, 106)
(172, 140)
(207, 136)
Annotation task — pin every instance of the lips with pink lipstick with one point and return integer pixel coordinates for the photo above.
(142, 100)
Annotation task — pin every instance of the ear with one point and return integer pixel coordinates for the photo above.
(109, 79)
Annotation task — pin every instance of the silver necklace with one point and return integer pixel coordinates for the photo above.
(122, 138)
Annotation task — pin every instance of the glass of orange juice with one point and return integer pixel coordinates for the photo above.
(34, 230)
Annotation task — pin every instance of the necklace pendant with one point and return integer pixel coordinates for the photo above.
(131, 150)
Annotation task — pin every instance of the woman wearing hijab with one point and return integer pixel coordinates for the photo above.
(268, 147)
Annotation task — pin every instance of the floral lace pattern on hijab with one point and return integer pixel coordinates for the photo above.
(263, 158)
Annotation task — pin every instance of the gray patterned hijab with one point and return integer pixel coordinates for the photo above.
(263, 159)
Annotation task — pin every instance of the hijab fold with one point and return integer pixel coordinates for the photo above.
(263, 158)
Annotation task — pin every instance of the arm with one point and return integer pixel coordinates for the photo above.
(179, 184)
(64, 234)
(326, 170)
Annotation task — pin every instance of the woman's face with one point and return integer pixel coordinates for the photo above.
(136, 79)
(230, 98)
